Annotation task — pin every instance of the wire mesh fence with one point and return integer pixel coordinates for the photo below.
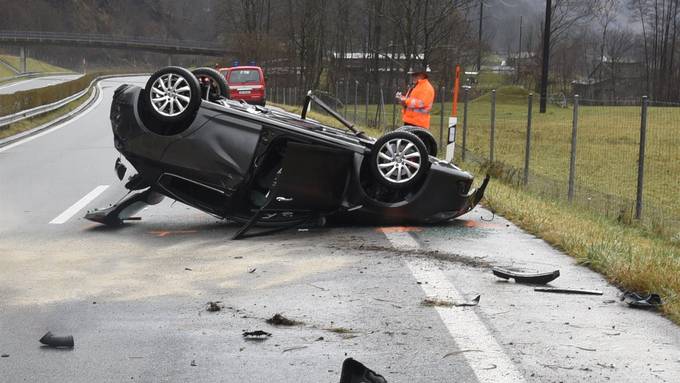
(619, 159)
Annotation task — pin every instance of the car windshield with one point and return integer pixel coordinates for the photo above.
(242, 76)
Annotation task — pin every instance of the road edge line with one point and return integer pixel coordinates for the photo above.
(463, 323)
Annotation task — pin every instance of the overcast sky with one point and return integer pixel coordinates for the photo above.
(502, 18)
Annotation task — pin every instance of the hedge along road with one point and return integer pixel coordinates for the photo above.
(135, 298)
(37, 82)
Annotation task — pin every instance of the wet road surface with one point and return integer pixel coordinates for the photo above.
(135, 298)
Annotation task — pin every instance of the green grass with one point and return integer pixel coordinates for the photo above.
(32, 65)
(629, 257)
(31, 123)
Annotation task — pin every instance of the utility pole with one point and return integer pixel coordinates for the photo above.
(546, 56)
(479, 49)
(519, 51)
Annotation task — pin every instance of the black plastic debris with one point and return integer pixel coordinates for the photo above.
(4, 356)
(257, 334)
(355, 372)
(57, 341)
(280, 320)
(567, 291)
(214, 306)
(527, 278)
(642, 301)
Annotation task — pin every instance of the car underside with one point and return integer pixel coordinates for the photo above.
(263, 166)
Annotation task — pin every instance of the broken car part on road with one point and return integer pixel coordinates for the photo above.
(267, 167)
(527, 278)
(355, 372)
(642, 301)
(57, 341)
(567, 291)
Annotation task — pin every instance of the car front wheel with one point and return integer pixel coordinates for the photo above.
(399, 160)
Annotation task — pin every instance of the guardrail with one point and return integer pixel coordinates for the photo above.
(42, 109)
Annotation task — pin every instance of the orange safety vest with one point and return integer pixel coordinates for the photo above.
(418, 104)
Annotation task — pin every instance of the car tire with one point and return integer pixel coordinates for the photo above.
(425, 135)
(399, 160)
(219, 88)
(172, 95)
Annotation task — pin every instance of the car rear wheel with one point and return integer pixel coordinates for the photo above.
(213, 84)
(399, 160)
(425, 135)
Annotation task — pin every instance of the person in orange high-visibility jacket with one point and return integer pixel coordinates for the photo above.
(417, 103)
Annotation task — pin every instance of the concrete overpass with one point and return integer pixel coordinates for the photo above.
(25, 39)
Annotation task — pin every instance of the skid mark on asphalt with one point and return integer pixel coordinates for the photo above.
(464, 325)
(76, 207)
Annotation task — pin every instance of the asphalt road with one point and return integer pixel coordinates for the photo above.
(135, 298)
(36, 82)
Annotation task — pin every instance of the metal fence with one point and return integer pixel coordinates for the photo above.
(621, 159)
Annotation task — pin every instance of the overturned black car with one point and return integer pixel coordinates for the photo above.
(267, 167)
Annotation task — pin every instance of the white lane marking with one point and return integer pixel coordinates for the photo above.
(50, 130)
(463, 323)
(76, 207)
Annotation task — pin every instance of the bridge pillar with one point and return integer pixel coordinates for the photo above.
(23, 56)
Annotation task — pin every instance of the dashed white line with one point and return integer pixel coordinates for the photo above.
(76, 207)
(492, 364)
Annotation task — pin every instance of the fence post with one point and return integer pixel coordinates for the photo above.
(368, 93)
(394, 111)
(572, 161)
(527, 146)
(641, 160)
(336, 96)
(465, 121)
(356, 99)
(492, 138)
(442, 91)
(284, 96)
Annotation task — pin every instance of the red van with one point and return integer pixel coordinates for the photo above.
(246, 83)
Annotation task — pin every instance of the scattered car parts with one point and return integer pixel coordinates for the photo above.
(57, 341)
(567, 291)
(267, 167)
(642, 301)
(527, 278)
(355, 372)
(257, 334)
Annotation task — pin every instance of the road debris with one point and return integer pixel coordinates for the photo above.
(280, 320)
(458, 353)
(353, 372)
(214, 306)
(4, 356)
(293, 348)
(640, 301)
(188, 269)
(57, 341)
(527, 278)
(567, 291)
(256, 335)
(436, 302)
(193, 363)
(252, 270)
